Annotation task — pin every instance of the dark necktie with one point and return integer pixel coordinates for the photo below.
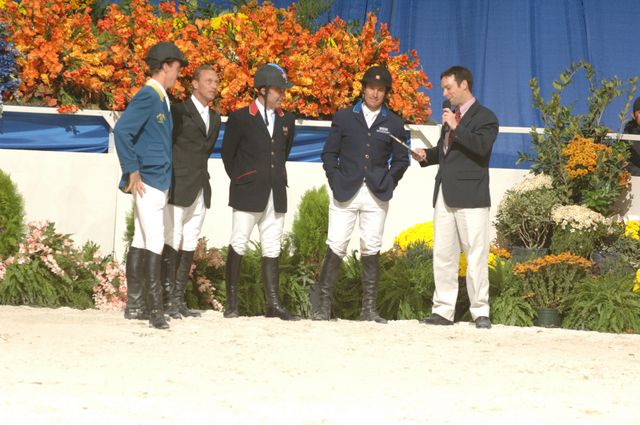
(458, 116)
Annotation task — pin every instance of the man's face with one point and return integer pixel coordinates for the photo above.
(636, 117)
(206, 86)
(275, 96)
(171, 69)
(452, 91)
(374, 94)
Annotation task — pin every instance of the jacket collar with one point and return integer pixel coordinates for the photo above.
(253, 109)
(357, 108)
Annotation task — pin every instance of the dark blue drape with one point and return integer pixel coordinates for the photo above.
(51, 132)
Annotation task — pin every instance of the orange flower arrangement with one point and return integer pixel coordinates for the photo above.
(583, 156)
(547, 281)
(595, 173)
(69, 60)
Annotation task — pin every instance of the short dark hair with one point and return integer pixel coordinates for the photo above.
(200, 69)
(460, 74)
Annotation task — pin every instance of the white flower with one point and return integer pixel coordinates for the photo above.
(533, 182)
(577, 217)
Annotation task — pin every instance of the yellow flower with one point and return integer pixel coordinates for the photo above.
(632, 230)
(422, 232)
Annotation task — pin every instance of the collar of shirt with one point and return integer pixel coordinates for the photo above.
(271, 112)
(369, 115)
(162, 90)
(203, 110)
(465, 106)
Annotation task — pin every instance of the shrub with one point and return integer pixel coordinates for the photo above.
(524, 215)
(11, 216)
(309, 230)
(347, 299)
(605, 303)
(512, 309)
(406, 283)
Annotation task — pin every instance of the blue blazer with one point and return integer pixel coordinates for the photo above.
(354, 153)
(463, 175)
(143, 139)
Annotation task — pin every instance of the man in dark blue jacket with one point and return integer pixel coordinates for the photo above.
(143, 142)
(363, 166)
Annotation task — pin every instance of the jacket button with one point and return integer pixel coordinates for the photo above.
(368, 145)
(365, 167)
(273, 153)
(366, 156)
(369, 133)
(273, 166)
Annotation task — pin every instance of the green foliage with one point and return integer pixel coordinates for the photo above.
(605, 303)
(130, 226)
(347, 299)
(309, 230)
(308, 12)
(28, 284)
(209, 272)
(524, 218)
(406, 283)
(578, 242)
(250, 289)
(626, 249)
(296, 279)
(201, 9)
(512, 309)
(11, 216)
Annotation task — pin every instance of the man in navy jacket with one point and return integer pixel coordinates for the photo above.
(143, 142)
(363, 166)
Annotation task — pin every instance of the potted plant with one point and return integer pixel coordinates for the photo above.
(523, 221)
(578, 229)
(548, 281)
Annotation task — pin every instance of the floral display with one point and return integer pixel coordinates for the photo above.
(207, 265)
(65, 269)
(535, 265)
(71, 62)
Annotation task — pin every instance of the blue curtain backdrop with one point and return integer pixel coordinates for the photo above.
(505, 43)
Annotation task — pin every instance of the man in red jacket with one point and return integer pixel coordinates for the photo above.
(256, 145)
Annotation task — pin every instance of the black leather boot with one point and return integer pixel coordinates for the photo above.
(231, 281)
(370, 275)
(327, 283)
(271, 281)
(168, 277)
(156, 307)
(182, 277)
(136, 308)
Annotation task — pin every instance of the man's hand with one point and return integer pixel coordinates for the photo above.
(135, 185)
(449, 118)
(419, 154)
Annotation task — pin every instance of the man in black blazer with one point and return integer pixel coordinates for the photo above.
(461, 199)
(363, 166)
(195, 131)
(256, 145)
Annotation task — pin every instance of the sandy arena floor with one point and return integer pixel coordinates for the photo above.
(67, 366)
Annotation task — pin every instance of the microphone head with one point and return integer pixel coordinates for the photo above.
(446, 104)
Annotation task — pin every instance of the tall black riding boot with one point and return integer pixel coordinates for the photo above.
(370, 275)
(136, 308)
(327, 283)
(271, 281)
(231, 281)
(156, 307)
(182, 277)
(169, 260)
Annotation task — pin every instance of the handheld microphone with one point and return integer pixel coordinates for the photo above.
(446, 104)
